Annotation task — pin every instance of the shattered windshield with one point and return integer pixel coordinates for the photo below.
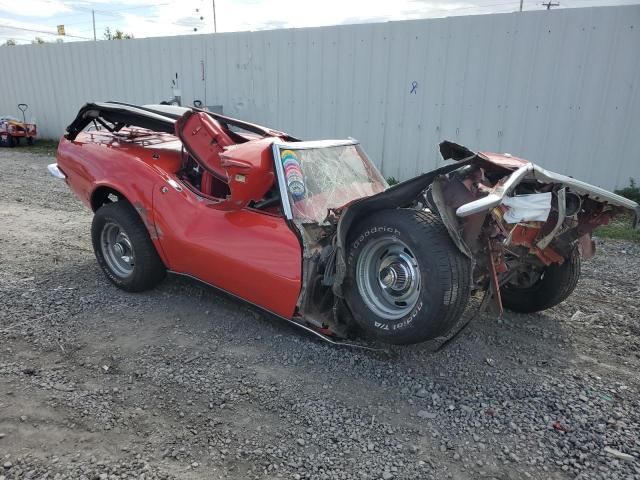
(319, 179)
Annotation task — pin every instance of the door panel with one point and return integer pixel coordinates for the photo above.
(251, 254)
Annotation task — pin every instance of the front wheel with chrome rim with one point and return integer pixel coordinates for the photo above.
(388, 277)
(124, 249)
(406, 280)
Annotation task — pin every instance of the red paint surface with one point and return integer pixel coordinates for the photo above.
(527, 236)
(249, 253)
(207, 139)
(250, 169)
(503, 160)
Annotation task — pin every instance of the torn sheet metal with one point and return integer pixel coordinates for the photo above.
(531, 171)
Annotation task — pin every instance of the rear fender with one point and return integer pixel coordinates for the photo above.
(142, 205)
(92, 170)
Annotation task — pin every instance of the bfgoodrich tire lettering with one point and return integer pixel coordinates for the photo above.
(147, 270)
(408, 250)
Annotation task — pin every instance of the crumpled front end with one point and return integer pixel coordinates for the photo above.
(516, 222)
(514, 218)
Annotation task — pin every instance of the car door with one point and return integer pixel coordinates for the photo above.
(248, 253)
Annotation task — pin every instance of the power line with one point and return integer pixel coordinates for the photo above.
(472, 7)
(119, 13)
(41, 31)
(151, 5)
(88, 9)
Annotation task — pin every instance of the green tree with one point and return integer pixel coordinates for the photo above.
(632, 192)
(117, 35)
(10, 43)
(37, 41)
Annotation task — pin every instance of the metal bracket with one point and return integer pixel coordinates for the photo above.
(562, 209)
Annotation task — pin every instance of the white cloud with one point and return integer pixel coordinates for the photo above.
(25, 32)
(144, 18)
(33, 8)
(240, 15)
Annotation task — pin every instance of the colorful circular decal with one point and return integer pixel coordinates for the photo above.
(297, 189)
(293, 174)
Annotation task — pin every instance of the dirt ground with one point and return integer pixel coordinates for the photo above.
(183, 382)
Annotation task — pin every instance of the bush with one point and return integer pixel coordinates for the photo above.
(392, 181)
(632, 192)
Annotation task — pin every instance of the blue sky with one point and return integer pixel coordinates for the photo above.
(23, 20)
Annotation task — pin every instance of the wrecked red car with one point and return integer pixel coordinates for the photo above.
(311, 232)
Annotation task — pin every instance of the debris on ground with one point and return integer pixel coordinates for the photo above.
(229, 394)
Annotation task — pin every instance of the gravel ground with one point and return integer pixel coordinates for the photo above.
(182, 382)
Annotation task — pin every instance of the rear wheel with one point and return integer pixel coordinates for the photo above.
(10, 141)
(407, 282)
(124, 249)
(30, 141)
(534, 291)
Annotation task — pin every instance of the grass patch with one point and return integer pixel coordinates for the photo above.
(40, 147)
(619, 228)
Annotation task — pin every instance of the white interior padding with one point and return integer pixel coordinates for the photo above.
(527, 208)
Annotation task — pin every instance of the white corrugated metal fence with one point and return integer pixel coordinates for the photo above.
(558, 87)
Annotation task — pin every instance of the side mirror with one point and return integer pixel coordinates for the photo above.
(249, 168)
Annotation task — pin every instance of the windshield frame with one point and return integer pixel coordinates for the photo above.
(314, 144)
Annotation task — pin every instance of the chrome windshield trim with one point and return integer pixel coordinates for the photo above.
(318, 144)
(282, 183)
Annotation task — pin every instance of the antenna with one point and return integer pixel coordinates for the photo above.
(550, 4)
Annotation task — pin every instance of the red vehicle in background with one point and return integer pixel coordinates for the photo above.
(12, 130)
(311, 232)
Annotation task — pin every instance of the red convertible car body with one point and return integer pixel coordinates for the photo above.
(282, 223)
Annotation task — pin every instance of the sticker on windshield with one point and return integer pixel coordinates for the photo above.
(293, 174)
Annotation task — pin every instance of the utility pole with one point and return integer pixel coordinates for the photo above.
(93, 17)
(521, 2)
(215, 27)
(549, 4)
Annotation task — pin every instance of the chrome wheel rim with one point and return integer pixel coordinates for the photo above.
(117, 250)
(388, 277)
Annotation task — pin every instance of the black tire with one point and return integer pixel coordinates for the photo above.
(443, 275)
(30, 141)
(10, 141)
(147, 269)
(557, 282)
